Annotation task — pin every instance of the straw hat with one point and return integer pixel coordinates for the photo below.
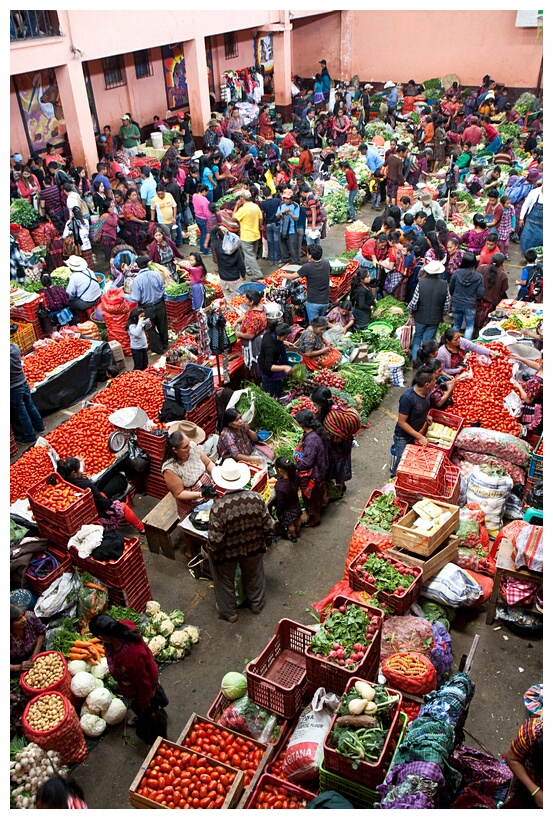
(192, 431)
(367, 86)
(434, 268)
(76, 263)
(231, 474)
(426, 198)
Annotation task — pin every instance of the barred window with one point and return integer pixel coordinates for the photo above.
(231, 45)
(114, 71)
(142, 64)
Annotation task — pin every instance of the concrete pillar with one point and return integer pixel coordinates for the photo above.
(282, 49)
(78, 116)
(346, 39)
(198, 87)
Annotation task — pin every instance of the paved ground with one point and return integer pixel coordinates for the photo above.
(298, 574)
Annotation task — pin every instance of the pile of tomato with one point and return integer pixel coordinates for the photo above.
(133, 389)
(480, 399)
(28, 470)
(178, 779)
(224, 746)
(37, 366)
(57, 498)
(274, 797)
(85, 436)
(539, 450)
(410, 709)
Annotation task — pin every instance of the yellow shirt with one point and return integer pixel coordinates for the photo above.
(249, 215)
(164, 207)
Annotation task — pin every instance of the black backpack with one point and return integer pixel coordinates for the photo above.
(535, 281)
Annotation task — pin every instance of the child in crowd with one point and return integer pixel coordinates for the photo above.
(506, 225)
(136, 328)
(197, 270)
(286, 497)
(531, 279)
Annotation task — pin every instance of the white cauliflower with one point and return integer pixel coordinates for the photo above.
(115, 713)
(152, 607)
(82, 684)
(99, 671)
(98, 700)
(193, 633)
(179, 639)
(92, 725)
(158, 619)
(156, 644)
(166, 628)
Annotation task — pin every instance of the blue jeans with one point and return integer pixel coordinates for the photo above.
(24, 412)
(423, 332)
(309, 241)
(178, 222)
(202, 223)
(315, 310)
(468, 315)
(351, 208)
(209, 196)
(399, 446)
(273, 234)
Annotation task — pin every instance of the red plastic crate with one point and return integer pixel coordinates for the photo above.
(375, 494)
(52, 534)
(24, 337)
(134, 597)
(448, 419)
(333, 677)
(220, 703)
(69, 520)
(156, 486)
(399, 605)
(267, 779)
(38, 586)
(366, 774)
(421, 470)
(154, 445)
(451, 489)
(114, 573)
(277, 678)
(27, 311)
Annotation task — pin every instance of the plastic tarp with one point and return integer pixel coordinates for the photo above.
(73, 382)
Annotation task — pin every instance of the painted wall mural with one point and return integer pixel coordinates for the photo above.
(41, 110)
(175, 75)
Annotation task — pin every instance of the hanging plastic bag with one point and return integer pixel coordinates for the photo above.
(92, 599)
(230, 244)
(406, 634)
(248, 415)
(304, 753)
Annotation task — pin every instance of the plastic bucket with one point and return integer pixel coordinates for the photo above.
(242, 289)
(157, 140)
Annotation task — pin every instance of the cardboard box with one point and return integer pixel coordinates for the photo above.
(117, 351)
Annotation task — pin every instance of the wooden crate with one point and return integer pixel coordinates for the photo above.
(142, 802)
(407, 538)
(430, 566)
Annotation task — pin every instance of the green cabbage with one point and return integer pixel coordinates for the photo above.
(234, 685)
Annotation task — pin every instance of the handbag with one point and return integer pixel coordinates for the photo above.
(69, 247)
(41, 565)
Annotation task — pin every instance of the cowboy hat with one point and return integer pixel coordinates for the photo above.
(426, 198)
(197, 154)
(76, 263)
(389, 84)
(192, 431)
(434, 268)
(245, 193)
(231, 475)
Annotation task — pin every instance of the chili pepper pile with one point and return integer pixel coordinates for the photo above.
(327, 379)
(85, 436)
(28, 470)
(57, 498)
(178, 779)
(480, 399)
(37, 366)
(133, 389)
(273, 797)
(224, 746)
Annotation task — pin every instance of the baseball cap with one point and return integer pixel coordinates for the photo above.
(17, 157)
(245, 193)
(322, 62)
(125, 116)
(287, 193)
(180, 115)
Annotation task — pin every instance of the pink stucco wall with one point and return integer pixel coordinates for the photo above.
(419, 45)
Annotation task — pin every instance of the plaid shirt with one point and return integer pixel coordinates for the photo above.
(413, 304)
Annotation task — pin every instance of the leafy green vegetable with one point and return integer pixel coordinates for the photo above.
(396, 316)
(380, 515)
(525, 103)
(360, 382)
(346, 629)
(16, 532)
(122, 613)
(377, 343)
(386, 577)
(23, 213)
(178, 289)
(32, 287)
(269, 414)
(65, 635)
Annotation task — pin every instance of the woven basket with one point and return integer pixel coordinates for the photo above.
(66, 737)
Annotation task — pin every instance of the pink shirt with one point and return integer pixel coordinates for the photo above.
(196, 274)
(201, 206)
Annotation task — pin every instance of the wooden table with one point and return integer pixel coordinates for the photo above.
(159, 524)
(506, 568)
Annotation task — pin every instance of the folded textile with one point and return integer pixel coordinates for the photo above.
(87, 539)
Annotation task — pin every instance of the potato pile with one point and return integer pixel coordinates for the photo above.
(46, 671)
(46, 713)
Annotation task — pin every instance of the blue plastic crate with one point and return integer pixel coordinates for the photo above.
(190, 397)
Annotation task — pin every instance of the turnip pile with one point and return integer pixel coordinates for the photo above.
(29, 768)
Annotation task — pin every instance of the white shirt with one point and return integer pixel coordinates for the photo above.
(83, 233)
(226, 146)
(433, 208)
(533, 197)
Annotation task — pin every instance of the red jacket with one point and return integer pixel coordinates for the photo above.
(134, 669)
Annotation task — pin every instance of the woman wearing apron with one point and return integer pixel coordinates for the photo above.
(531, 221)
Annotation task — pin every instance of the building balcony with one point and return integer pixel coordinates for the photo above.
(33, 25)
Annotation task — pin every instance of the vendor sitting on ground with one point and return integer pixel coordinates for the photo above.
(111, 513)
(238, 441)
(315, 352)
(186, 468)
(26, 638)
(453, 349)
(341, 315)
